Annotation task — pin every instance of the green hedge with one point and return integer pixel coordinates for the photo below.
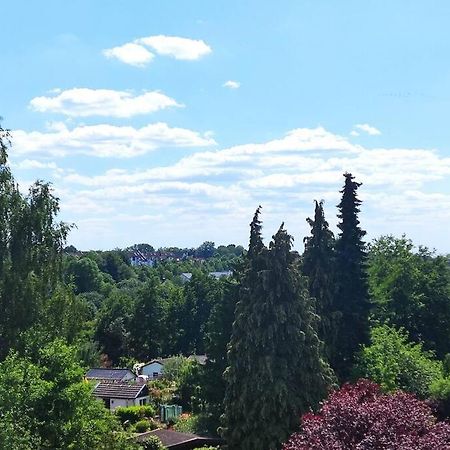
(134, 414)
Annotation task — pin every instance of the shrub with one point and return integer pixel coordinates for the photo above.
(134, 413)
(440, 391)
(152, 443)
(394, 363)
(142, 426)
(362, 417)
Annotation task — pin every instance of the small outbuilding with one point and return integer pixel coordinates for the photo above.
(175, 440)
(153, 369)
(122, 394)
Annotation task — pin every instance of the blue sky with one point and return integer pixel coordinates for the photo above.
(168, 122)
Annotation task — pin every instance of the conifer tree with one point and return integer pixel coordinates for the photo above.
(275, 371)
(352, 297)
(318, 266)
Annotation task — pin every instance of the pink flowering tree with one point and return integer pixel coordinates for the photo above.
(361, 417)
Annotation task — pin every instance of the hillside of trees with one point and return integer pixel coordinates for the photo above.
(290, 338)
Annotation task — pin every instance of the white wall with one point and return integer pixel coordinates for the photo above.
(117, 402)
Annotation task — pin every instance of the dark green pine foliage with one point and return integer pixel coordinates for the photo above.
(318, 265)
(218, 335)
(352, 297)
(275, 371)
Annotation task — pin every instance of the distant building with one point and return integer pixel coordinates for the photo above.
(122, 394)
(140, 259)
(224, 273)
(186, 276)
(109, 375)
(153, 369)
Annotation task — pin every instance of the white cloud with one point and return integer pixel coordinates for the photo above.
(84, 102)
(214, 192)
(106, 140)
(354, 133)
(178, 47)
(369, 129)
(136, 54)
(130, 53)
(232, 84)
(27, 164)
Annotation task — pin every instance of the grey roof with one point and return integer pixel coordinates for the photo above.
(224, 273)
(120, 390)
(186, 275)
(100, 373)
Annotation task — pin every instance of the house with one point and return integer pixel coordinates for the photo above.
(185, 277)
(153, 369)
(138, 258)
(174, 440)
(109, 375)
(223, 273)
(122, 394)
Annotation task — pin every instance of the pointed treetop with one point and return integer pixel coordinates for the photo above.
(256, 243)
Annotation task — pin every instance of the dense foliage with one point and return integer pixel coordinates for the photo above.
(395, 363)
(362, 417)
(319, 261)
(352, 298)
(411, 289)
(275, 367)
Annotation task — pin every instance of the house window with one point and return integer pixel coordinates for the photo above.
(155, 374)
(142, 401)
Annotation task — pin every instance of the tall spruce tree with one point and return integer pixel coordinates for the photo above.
(352, 297)
(275, 370)
(318, 266)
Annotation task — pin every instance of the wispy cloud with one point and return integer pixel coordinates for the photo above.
(232, 84)
(136, 53)
(106, 141)
(84, 102)
(369, 129)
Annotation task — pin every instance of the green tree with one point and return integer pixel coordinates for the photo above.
(113, 325)
(275, 369)
(147, 330)
(200, 294)
(45, 397)
(218, 335)
(31, 243)
(319, 266)
(411, 289)
(84, 273)
(352, 298)
(395, 363)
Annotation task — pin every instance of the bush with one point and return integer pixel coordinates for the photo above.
(134, 414)
(362, 417)
(142, 426)
(394, 363)
(152, 443)
(440, 391)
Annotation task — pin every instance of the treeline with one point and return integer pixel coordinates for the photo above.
(279, 334)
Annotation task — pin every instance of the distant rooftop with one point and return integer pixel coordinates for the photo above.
(120, 390)
(99, 373)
